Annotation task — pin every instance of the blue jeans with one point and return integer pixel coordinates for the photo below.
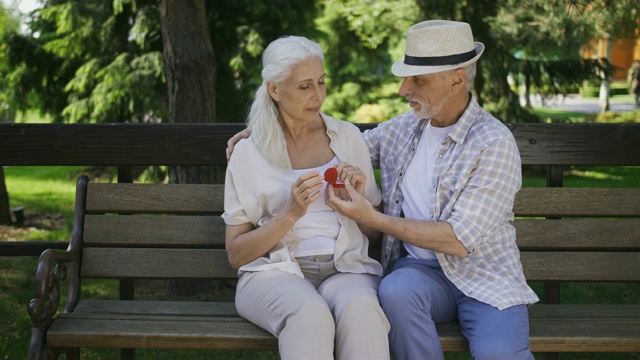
(416, 295)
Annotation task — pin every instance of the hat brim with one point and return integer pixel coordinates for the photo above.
(401, 69)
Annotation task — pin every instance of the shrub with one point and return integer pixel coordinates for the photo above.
(619, 117)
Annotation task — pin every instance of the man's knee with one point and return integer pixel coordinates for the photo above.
(395, 290)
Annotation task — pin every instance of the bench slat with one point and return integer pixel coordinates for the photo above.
(580, 266)
(217, 334)
(622, 234)
(578, 144)
(580, 202)
(593, 328)
(136, 263)
(154, 230)
(582, 335)
(603, 234)
(120, 309)
(155, 198)
(204, 144)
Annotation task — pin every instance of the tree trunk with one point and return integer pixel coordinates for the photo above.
(189, 61)
(190, 68)
(605, 75)
(5, 212)
(7, 116)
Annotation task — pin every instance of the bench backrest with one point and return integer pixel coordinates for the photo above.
(148, 231)
(579, 234)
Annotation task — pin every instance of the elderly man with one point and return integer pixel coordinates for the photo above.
(449, 173)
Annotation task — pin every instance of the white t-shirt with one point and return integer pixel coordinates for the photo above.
(416, 184)
(319, 227)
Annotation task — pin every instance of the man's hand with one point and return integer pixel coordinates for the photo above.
(353, 175)
(234, 140)
(354, 206)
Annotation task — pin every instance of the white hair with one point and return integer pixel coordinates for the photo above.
(277, 60)
(469, 69)
(471, 74)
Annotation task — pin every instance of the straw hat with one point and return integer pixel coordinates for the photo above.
(437, 45)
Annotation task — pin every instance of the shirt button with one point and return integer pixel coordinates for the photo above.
(440, 156)
(448, 272)
(397, 201)
(470, 292)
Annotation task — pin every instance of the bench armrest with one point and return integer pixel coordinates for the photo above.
(52, 269)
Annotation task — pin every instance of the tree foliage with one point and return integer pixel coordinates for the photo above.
(97, 61)
(8, 26)
(240, 30)
(101, 60)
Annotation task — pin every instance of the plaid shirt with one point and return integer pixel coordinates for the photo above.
(476, 176)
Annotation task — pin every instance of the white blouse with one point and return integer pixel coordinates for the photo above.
(256, 190)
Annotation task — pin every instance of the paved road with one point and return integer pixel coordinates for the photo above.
(574, 102)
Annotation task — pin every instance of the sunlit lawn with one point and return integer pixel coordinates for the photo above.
(32, 117)
(44, 190)
(592, 176)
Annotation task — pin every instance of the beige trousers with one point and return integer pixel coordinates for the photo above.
(309, 315)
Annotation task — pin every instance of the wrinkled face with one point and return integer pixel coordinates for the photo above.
(427, 94)
(301, 96)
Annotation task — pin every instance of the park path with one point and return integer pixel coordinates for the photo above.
(574, 102)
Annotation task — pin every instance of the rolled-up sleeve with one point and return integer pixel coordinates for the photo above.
(234, 213)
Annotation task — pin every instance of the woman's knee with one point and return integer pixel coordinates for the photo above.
(361, 308)
(314, 312)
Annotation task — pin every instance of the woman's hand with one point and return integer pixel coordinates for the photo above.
(304, 191)
(245, 243)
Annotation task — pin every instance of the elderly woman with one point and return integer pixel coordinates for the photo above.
(304, 273)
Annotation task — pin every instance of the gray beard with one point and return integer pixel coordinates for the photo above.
(428, 112)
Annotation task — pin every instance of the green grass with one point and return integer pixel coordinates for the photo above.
(555, 115)
(44, 190)
(32, 117)
(589, 176)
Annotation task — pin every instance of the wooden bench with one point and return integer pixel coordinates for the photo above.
(158, 231)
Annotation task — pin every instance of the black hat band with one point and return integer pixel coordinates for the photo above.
(439, 60)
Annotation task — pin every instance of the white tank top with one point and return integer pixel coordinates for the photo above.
(318, 229)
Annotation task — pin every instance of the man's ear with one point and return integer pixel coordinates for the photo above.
(273, 91)
(459, 79)
(459, 76)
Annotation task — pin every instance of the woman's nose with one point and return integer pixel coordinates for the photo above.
(319, 93)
